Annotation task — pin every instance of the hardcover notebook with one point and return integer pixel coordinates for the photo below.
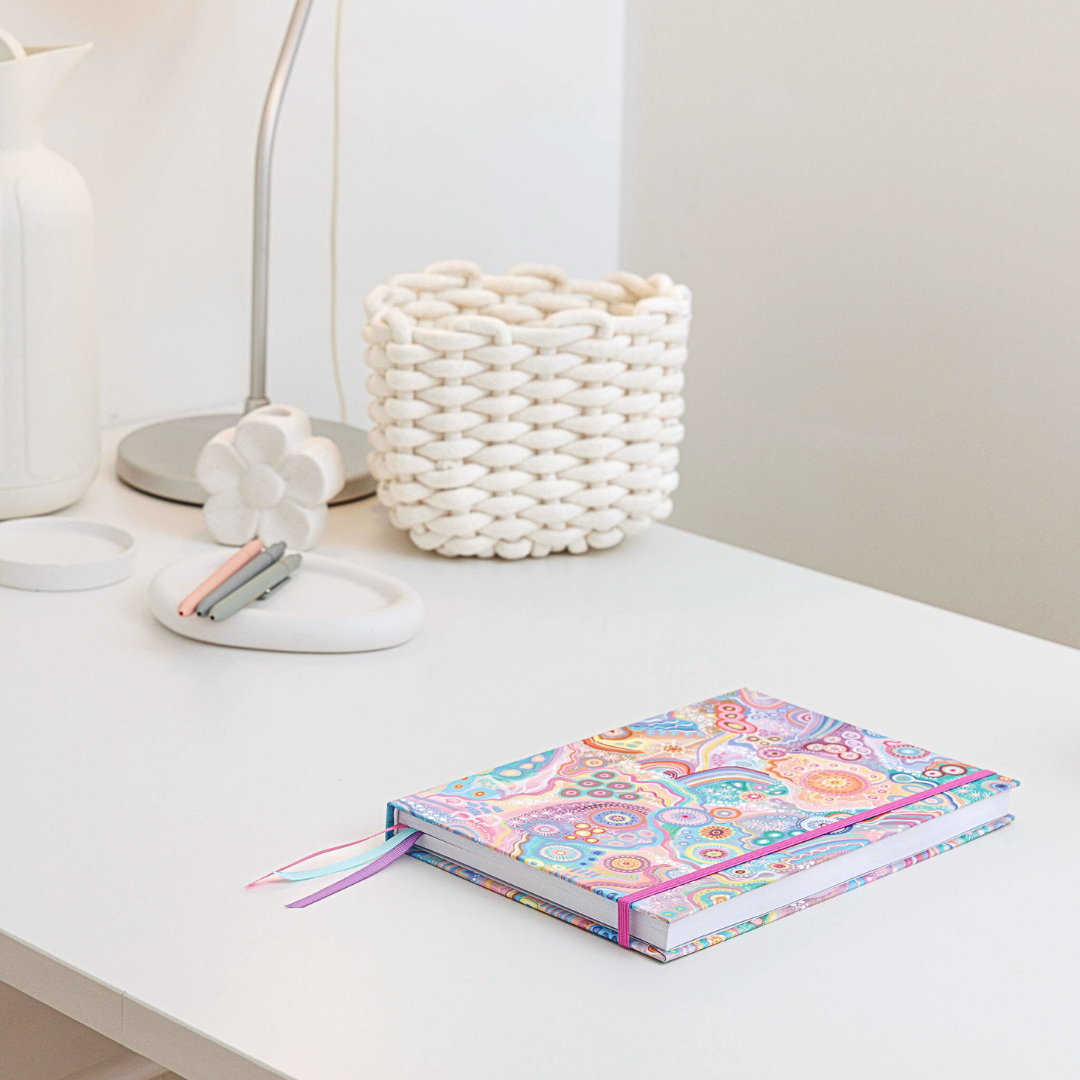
(640, 814)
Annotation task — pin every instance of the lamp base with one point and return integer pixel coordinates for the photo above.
(159, 459)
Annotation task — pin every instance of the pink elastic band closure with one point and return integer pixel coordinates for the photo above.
(625, 902)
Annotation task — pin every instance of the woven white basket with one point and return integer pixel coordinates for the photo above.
(525, 413)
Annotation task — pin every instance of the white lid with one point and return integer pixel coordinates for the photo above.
(60, 554)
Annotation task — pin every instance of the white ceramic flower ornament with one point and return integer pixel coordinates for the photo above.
(269, 477)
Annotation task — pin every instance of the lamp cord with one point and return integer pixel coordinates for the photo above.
(335, 198)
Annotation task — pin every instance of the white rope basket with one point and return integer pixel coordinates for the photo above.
(525, 413)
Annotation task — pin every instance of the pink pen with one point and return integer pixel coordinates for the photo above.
(241, 558)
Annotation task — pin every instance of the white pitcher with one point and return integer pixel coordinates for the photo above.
(49, 429)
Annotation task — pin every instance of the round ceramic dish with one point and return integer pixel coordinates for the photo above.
(54, 554)
(329, 606)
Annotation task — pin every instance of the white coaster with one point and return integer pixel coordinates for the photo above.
(329, 606)
(55, 554)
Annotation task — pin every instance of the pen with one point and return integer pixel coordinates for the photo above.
(271, 578)
(222, 574)
(244, 574)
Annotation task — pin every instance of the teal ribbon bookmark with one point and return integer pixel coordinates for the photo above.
(366, 865)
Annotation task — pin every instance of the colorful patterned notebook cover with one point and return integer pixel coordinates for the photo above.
(639, 805)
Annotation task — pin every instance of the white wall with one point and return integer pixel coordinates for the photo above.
(877, 207)
(473, 128)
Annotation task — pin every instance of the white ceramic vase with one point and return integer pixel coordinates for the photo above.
(49, 429)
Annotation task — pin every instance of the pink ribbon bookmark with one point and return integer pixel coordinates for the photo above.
(625, 902)
(314, 855)
(372, 868)
(369, 862)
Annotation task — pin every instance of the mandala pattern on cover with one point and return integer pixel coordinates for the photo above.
(652, 801)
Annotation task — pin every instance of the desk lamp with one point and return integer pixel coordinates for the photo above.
(160, 459)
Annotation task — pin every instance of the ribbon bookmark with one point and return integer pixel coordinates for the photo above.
(399, 846)
(625, 902)
(368, 863)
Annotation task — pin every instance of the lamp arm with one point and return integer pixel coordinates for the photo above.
(264, 160)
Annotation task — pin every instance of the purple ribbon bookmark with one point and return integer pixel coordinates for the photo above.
(372, 868)
(369, 863)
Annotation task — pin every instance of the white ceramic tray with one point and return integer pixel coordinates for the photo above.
(329, 606)
(57, 554)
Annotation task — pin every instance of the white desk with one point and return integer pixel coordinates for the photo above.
(144, 778)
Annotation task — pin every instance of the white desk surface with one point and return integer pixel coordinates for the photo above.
(145, 777)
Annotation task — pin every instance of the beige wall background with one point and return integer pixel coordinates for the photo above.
(878, 208)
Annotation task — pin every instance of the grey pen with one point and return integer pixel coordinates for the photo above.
(271, 578)
(257, 565)
(273, 589)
